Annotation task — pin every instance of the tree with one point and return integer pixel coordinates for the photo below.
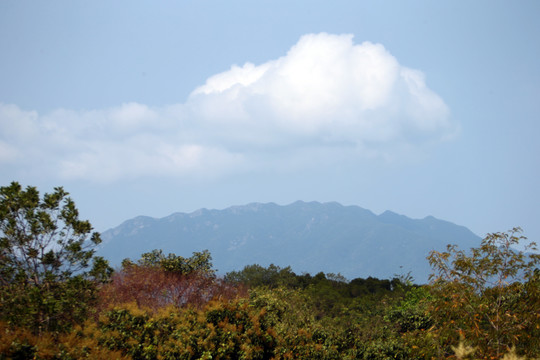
(256, 275)
(156, 281)
(199, 263)
(490, 295)
(48, 270)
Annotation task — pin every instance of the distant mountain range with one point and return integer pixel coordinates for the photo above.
(309, 236)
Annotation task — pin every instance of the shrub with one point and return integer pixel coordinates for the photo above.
(154, 288)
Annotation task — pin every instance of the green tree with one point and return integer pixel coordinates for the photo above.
(200, 262)
(489, 295)
(48, 270)
(257, 275)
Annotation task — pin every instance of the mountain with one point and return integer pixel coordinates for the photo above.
(308, 236)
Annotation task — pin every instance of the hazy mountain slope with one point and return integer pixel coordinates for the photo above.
(310, 237)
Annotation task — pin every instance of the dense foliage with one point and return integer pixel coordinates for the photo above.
(481, 304)
(199, 262)
(48, 271)
(490, 295)
(155, 282)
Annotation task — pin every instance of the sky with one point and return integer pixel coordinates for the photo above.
(155, 107)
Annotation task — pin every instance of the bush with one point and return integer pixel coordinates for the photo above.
(153, 288)
(490, 296)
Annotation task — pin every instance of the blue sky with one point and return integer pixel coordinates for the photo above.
(148, 108)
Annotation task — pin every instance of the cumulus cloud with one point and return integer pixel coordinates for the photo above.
(325, 95)
(326, 88)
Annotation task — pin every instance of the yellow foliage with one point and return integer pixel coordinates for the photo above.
(462, 350)
(511, 355)
(81, 343)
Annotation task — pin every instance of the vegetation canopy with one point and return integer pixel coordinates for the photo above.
(48, 270)
(489, 295)
(59, 301)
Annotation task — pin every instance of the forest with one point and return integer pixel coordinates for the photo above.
(58, 300)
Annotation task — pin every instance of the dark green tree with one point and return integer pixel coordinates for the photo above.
(48, 270)
(257, 275)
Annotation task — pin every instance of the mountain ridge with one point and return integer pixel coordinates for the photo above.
(308, 236)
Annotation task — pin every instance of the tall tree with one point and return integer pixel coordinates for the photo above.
(48, 270)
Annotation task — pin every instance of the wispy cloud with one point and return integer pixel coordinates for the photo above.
(326, 98)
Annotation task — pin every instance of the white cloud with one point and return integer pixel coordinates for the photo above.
(325, 89)
(326, 95)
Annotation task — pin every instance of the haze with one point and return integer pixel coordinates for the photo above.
(148, 108)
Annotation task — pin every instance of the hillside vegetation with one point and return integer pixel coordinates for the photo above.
(58, 300)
